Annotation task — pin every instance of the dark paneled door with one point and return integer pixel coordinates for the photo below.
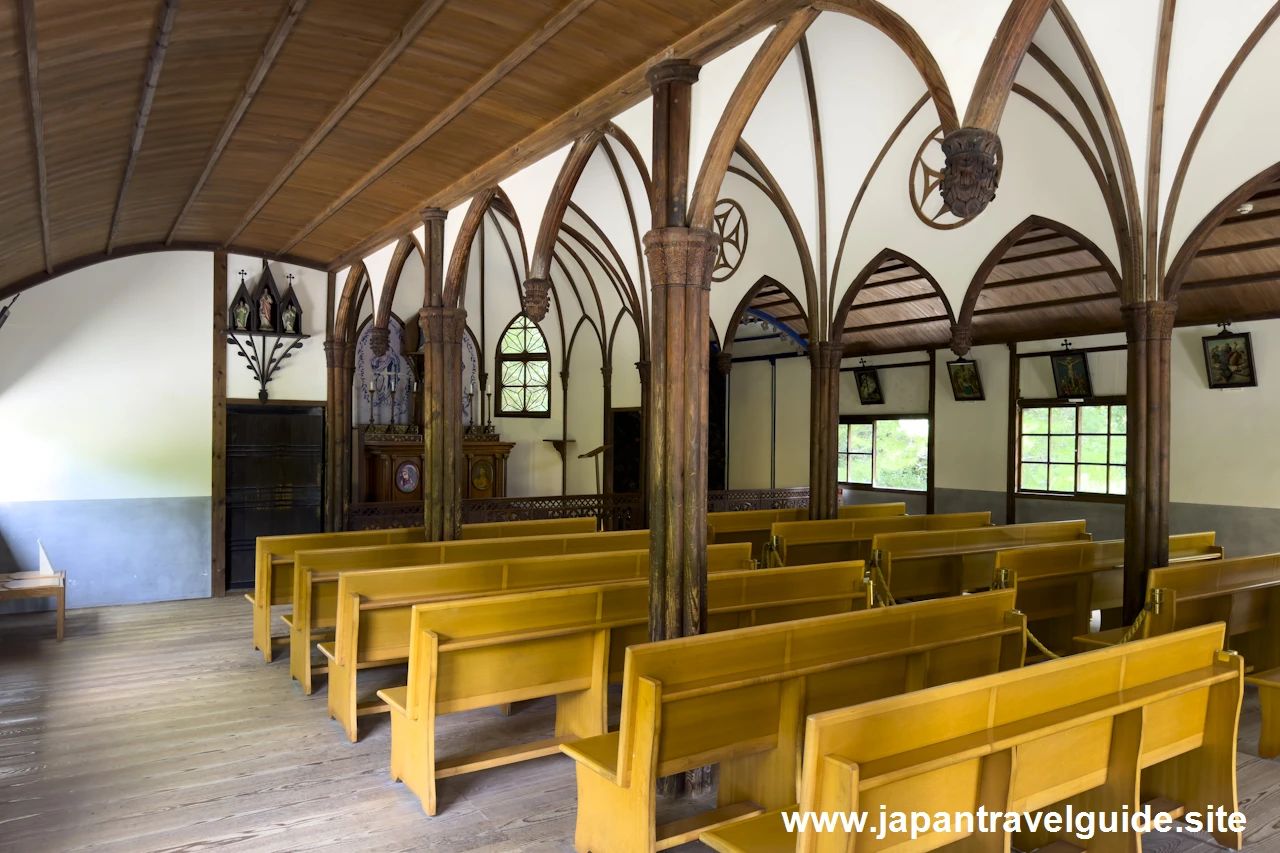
(275, 472)
(628, 450)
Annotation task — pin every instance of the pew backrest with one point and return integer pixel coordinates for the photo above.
(850, 538)
(948, 562)
(1066, 726)
(476, 652)
(1242, 592)
(721, 692)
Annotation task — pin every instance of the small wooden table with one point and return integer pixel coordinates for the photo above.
(36, 585)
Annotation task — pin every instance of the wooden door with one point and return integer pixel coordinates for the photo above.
(628, 450)
(275, 472)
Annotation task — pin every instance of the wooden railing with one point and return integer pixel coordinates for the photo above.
(615, 511)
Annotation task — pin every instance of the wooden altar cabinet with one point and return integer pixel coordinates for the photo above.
(389, 467)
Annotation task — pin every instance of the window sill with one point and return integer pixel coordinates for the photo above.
(1078, 498)
(864, 487)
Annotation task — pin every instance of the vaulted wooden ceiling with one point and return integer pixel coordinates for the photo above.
(1236, 273)
(776, 302)
(899, 308)
(309, 129)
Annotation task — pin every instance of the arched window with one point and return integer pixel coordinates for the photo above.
(524, 371)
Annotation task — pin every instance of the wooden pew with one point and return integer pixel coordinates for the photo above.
(1060, 585)
(801, 542)
(375, 606)
(273, 560)
(315, 583)
(754, 525)
(1090, 731)
(949, 562)
(740, 699)
(567, 643)
(1243, 593)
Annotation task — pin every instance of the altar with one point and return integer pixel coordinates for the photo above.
(389, 465)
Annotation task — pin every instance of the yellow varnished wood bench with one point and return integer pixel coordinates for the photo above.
(1060, 585)
(315, 584)
(1243, 593)
(274, 557)
(754, 525)
(740, 699)
(375, 606)
(1154, 721)
(949, 562)
(567, 643)
(801, 542)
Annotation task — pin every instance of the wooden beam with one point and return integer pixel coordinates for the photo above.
(1048, 303)
(27, 10)
(892, 281)
(930, 472)
(1155, 148)
(1250, 217)
(898, 300)
(408, 33)
(1049, 276)
(1015, 432)
(269, 53)
(509, 63)
(1239, 248)
(916, 321)
(1004, 57)
(1046, 253)
(218, 534)
(1233, 281)
(149, 83)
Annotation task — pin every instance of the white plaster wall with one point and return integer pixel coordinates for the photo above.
(906, 389)
(1107, 370)
(750, 424)
(410, 288)
(303, 375)
(584, 417)
(106, 383)
(626, 378)
(1223, 447)
(971, 437)
(792, 413)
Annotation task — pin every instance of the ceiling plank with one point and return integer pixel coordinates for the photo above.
(512, 60)
(1048, 276)
(1255, 216)
(256, 79)
(27, 9)
(1048, 303)
(897, 300)
(407, 35)
(894, 324)
(1239, 248)
(159, 48)
(1047, 253)
(1233, 281)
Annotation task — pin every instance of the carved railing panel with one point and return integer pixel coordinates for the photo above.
(741, 500)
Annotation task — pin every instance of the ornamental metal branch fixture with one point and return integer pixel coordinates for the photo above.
(4, 312)
(264, 364)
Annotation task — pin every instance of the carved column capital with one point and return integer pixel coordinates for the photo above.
(962, 339)
(642, 367)
(442, 325)
(607, 373)
(430, 214)
(724, 362)
(972, 171)
(681, 257)
(379, 340)
(536, 299)
(1149, 321)
(672, 71)
(334, 352)
(826, 355)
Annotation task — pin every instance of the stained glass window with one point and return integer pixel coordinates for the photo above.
(524, 371)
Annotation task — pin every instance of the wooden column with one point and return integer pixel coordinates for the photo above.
(1149, 329)
(646, 451)
(337, 430)
(824, 426)
(218, 557)
(680, 261)
(606, 374)
(443, 328)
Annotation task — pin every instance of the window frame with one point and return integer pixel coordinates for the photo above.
(1059, 403)
(524, 358)
(872, 419)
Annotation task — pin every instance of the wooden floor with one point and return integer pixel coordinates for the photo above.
(157, 728)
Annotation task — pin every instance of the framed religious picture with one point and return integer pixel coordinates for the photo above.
(1228, 358)
(966, 384)
(1071, 375)
(407, 477)
(870, 392)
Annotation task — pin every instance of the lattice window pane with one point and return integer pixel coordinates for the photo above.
(513, 399)
(537, 399)
(524, 375)
(513, 373)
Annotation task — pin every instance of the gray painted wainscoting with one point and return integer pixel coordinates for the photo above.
(113, 551)
(916, 501)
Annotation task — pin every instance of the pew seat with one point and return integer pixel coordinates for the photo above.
(1268, 684)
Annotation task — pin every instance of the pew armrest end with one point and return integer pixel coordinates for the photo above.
(397, 698)
(1270, 678)
(763, 834)
(248, 596)
(600, 753)
(327, 649)
(287, 618)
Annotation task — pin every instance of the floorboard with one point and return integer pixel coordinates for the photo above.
(157, 729)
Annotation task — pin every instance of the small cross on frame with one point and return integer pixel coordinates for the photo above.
(1225, 326)
(290, 278)
(242, 275)
(1066, 344)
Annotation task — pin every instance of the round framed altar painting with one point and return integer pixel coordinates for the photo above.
(407, 477)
